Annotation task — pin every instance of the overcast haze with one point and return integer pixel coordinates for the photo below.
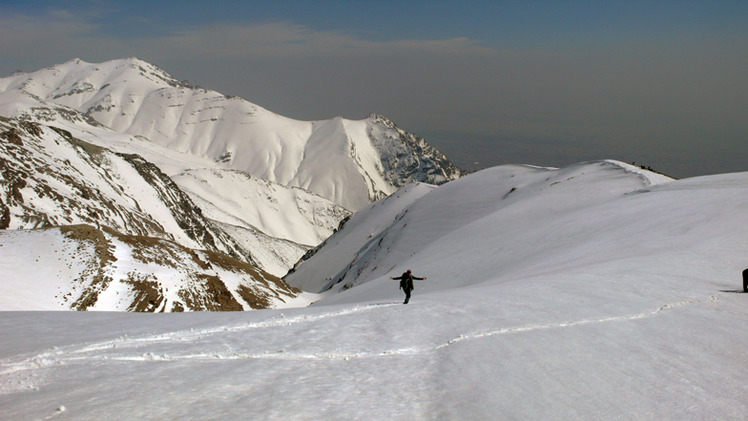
(664, 84)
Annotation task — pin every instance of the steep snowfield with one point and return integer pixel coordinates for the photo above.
(598, 291)
(349, 162)
(285, 213)
(277, 223)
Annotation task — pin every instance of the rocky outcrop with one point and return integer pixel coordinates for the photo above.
(158, 275)
(407, 157)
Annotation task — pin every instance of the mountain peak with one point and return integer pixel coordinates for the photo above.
(74, 61)
(379, 118)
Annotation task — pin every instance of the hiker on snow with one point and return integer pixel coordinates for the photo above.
(406, 283)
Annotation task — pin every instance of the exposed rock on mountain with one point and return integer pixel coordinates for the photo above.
(81, 267)
(49, 178)
(153, 246)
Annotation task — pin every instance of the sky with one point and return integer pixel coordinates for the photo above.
(659, 83)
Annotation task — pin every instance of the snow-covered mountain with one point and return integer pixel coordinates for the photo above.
(597, 292)
(123, 145)
(140, 242)
(349, 162)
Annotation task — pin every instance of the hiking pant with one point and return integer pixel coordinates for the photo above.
(407, 295)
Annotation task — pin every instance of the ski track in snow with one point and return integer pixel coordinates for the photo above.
(582, 322)
(93, 352)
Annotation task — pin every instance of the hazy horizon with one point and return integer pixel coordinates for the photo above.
(661, 84)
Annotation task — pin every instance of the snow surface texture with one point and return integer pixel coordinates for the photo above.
(349, 162)
(598, 291)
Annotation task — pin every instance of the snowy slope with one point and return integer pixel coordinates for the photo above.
(237, 198)
(598, 291)
(342, 250)
(500, 214)
(277, 223)
(349, 162)
(82, 268)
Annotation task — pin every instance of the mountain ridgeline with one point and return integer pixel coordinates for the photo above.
(349, 162)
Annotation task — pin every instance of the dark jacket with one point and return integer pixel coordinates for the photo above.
(406, 281)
